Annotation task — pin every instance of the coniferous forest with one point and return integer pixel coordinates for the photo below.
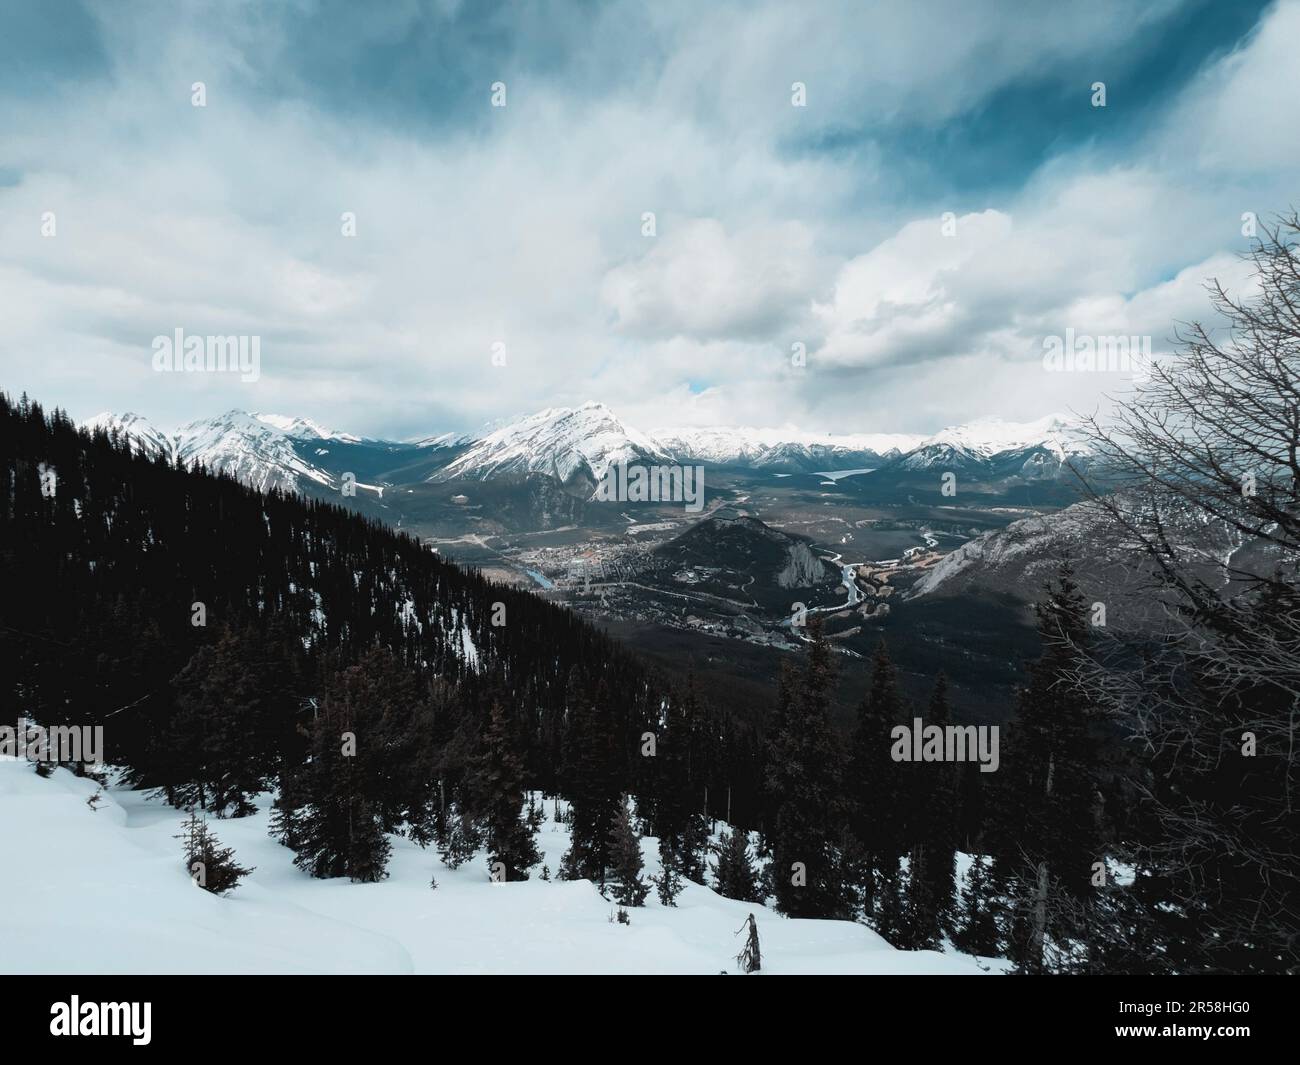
(224, 639)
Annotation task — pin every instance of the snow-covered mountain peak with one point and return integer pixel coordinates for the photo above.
(975, 443)
(304, 428)
(250, 448)
(139, 430)
(442, 440)
(993, 436)
(258, 449)
(556, 440)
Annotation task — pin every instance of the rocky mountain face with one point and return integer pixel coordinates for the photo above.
(747, 554)
(1109, 564)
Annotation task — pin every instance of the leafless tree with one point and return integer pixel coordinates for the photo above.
(1202, 468)
(749, 959)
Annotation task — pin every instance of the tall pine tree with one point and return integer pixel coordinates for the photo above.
(1050, 831)
(499, 770)
(803, 781)
(875, 788)
(735, 875)
(932, 794)
(592, 783)
(625, 860)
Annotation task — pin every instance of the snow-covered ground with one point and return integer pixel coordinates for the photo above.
(104, 891)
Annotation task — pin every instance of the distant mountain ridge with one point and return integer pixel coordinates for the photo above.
(576, 445)
(261, 450)
(785, 450)
(988, 439)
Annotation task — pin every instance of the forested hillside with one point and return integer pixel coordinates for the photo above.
(211, 629)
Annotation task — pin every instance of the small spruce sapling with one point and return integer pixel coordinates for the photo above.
(210, 865)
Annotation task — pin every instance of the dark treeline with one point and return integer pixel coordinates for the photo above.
(1072, 860)
(1143, 815)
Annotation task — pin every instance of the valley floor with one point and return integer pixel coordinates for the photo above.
(105, 891)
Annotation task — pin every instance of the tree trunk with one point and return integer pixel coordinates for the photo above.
(1034, 962)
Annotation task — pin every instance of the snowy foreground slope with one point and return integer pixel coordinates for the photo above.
(104, 891)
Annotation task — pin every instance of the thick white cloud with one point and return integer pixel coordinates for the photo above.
(904, 294)
(699, 281)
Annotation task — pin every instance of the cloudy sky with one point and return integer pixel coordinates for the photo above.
(775, 225)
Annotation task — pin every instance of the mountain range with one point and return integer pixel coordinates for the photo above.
(577, 445)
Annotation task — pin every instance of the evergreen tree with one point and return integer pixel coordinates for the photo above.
(591, 776)
(222, 735)
(931, 881)
(625, 860)
(387, 700)
(668, 884)
(803, 781)
(462, 839)
(875, 786)
(210, 865)
(735, 876)
(499, 770)
(971, 814)
(919, 928)
(889, 895)
(327, 809)
(677, 810)
(692, 846)
(976, 923)
(1050, 831)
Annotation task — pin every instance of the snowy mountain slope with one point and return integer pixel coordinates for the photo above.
(562, 441)
(304, 428)
(262, 450)
(142, 433)
(250, 448)
(439, 440)
(105, 891)
(976, 441)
